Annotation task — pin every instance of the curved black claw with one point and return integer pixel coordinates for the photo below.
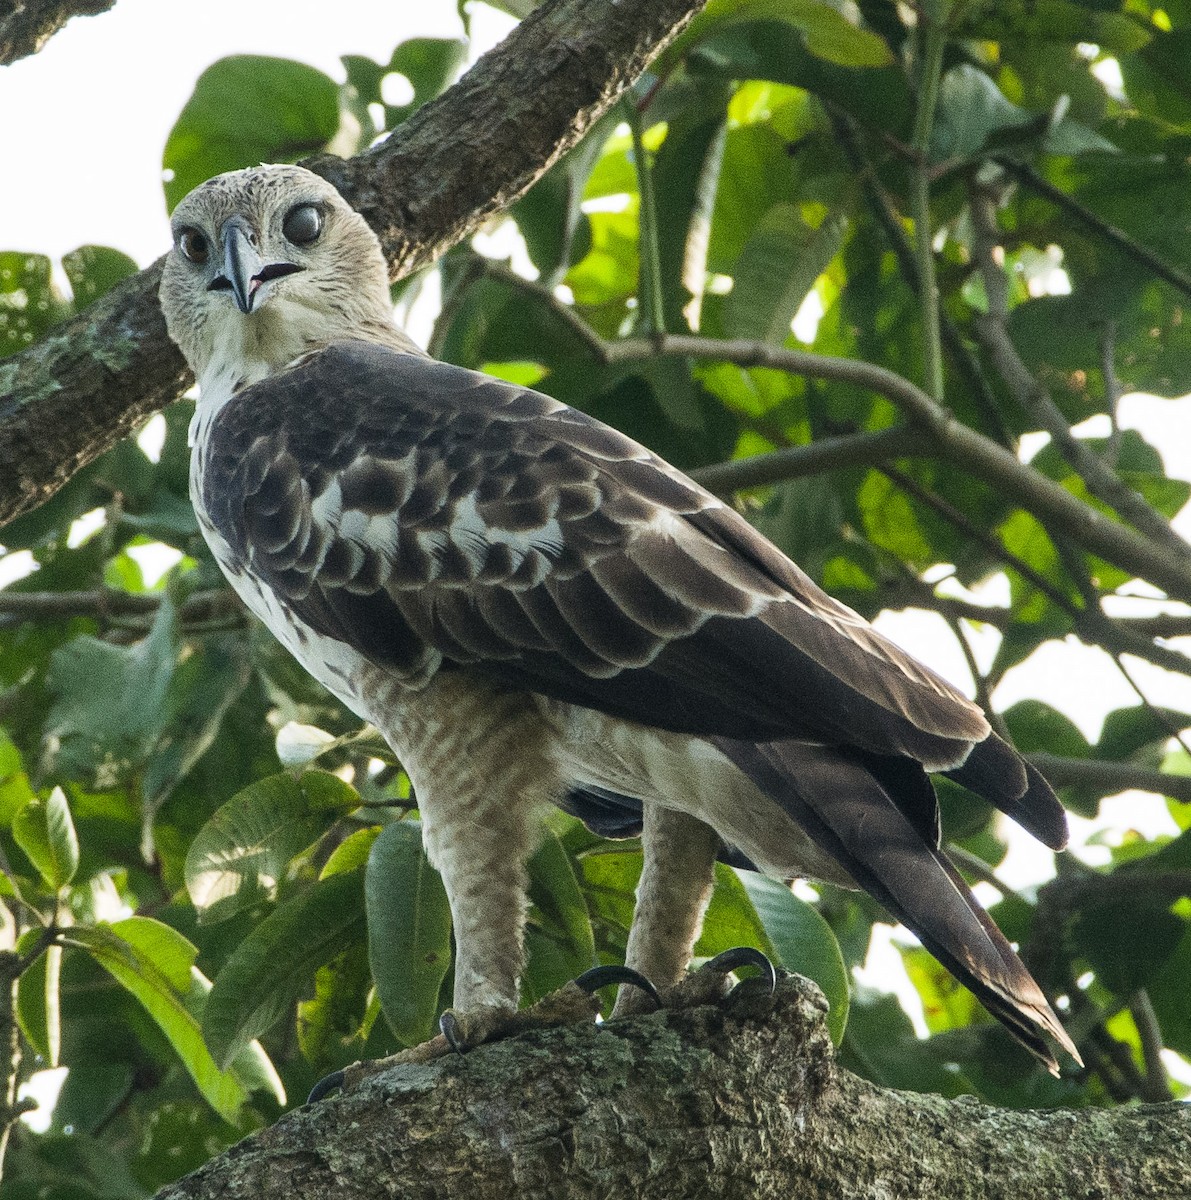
(598, 977)
(326, 1086)
(448, 1024)
(744, 956)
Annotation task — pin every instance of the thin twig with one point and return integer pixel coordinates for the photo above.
(1070, 892)
(1159, 266)
(983, 537)
(965, 363)
(814, 458)
(1157, 1082)
(649, 287)
(962, 445)
(1112, 394)
(975, 452)
(1092, 618)
(110, 602)
(1110, 777)
(930, 45)
(1102, 482)
(980, 681)
(973, 865)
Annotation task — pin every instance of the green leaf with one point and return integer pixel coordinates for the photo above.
(880, 1045)
(556, 230)
(826, 32)
(243, 852)
(352, 853)
(245, 110)
(38, 1007)
(1128, 733)
(1127, 943)
(731, 919)
(1158, 81)
(409, 931)
(1034, 725)
(110, 707)
(776, 269)
(803, 942)
(427, 63)
(756, 166)
(891, 520)
(45, 831)
(334, 1016)
(1051, 20)
(560, 916)
(971, 109)
(94, 270)
(252, 1066)
(876, 95)
(204, 685)
(946, 1003)
(30, 304)
(257, 985)
(1167, 989)
(153, 962)
(15, 791)
(609, 882)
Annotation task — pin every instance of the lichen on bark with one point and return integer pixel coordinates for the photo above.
(737, 1099)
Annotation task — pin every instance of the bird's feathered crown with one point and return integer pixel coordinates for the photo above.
(280, 231)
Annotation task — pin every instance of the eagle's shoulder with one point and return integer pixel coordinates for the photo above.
(390, 433)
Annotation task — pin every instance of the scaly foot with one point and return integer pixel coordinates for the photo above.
(571, 1004)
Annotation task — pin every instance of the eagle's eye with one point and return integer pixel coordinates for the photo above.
(303, 224)
(194, 245)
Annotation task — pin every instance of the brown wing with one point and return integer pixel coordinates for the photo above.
(426, 514)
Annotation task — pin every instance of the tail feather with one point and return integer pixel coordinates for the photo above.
(997, 772)
(850, 806)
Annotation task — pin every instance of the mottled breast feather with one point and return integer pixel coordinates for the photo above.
(423, 513)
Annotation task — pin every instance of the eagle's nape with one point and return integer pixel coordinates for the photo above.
(536, 610)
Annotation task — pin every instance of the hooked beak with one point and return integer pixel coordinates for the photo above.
(243, 268)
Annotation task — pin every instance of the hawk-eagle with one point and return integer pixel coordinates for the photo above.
(534, 610)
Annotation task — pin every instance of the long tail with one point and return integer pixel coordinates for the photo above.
(873, 815)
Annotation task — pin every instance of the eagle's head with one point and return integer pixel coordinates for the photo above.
(267, 264)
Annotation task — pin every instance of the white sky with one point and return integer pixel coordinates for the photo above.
(92, 111)
(82, 128)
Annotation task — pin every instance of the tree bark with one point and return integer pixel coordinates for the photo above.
(742, 1099)
(437, 178)
(26, 25)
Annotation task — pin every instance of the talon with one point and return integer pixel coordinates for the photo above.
(448, 1023)
(326, 1086)
(598, 977)
(744, 956)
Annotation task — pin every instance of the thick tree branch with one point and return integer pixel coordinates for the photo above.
(456, 162)
(26, 25)
(1102, 481)
(1071, 892)
(214, 605)
(742, 1099)
(1108, 777)
(825, 454)
(962, 445)
(933, 432)
(912, 592)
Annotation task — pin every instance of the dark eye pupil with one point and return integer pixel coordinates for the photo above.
(303, 224)
(193, 245)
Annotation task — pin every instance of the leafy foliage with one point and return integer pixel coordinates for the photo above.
(178, 866)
